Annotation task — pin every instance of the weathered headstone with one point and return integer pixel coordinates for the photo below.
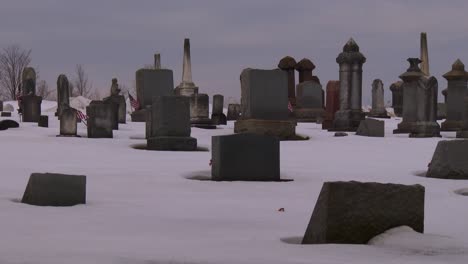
(28, 86)
(354, 212)
(119, 100)
(68, 120)
(309, 102)
(371, 128)
(199, 111)
(378, 106)
(457, 80)
(332, 104)
(43, 121)
(101, 119)
(463, 132)
(53, 189)
(186, 87)
(441, 111)
(397, 97)
(450, 160)
(288, 64)
(245, 157)
(63, 94)
(264, 97)
(171, 124)
(217, 115)
(31, 108)
(234, 112)
(350, 114)
(426, 112)
(1, 105)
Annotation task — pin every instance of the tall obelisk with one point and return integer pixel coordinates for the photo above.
(424, 54)
(186, 87)
(157, 61)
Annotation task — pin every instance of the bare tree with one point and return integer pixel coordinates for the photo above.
(44, 91)
(81, 83)
(13, 60)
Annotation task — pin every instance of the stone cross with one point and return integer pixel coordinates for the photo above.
(457, 80)
(378, 105)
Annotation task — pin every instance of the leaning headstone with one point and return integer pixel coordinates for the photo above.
(68, 120)
(217, 115)
(170, 121)
(450, 160)
(378, 106)
(199, 111)
(288, 64)
(234, 112)
(9, 108)
(7, 123)
(101, 119)
(457, 80)
(309, 102)
(264, 97)
(371, 128)
(332, 104)
(245, 157)
(43, 121)
(53, 189)
(5, 114)
(397, 98)
(118, 100)
(31, 108)
(63, 94)
(354, 212)
(187, 87)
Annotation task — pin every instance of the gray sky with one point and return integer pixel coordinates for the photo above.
(115, 38)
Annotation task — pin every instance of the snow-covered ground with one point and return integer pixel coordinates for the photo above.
(142, 208)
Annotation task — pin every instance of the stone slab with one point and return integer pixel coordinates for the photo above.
(151, 83)
(282, 129)
(43, 121)
(450, 160)
(371, 128)
(172, 143)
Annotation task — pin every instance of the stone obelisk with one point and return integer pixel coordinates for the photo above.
(157, 61)
(186, 87)
(424, 54)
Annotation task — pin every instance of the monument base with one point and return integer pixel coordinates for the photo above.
(186, 91)
(138, 115)
(308, 115)
(404, 127)
(202, 122)
(398, 111)
(282, 129)
(378, 114)
(450, 125)
(347, 120)
(425, 129)
(172, 143)
(219, 119)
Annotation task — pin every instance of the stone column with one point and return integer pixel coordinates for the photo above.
(424, 54)
(378, 105)
(186, 87)
(426, 113)
(397, 97)
(305, 67)
(288, 65)
(356, 86)
(157, 61)
(63, 96)
(457, 87)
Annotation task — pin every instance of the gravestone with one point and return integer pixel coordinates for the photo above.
(234, 112)
(450, 160)
(378, 106)
(350, 114)
(68, 120)
(1, 106)
(463, 132)
(288, 64)
(354, 212)
(170, 124)
(187, 87)
(28, 79)
(7, 123)
(9, 108)
(199, 111)
(332, 104)
(371, 128)
(457, 80)
(264, 107)
(217, 115)
(245, 157)
(53, 189)
(114, 113)
(63, 94)
(305, 67)
(5, 114)
(442, 111)
(309, 98)
(397, 98)
(101, 119)
(31, 108)
(43, 121)
(118, 100)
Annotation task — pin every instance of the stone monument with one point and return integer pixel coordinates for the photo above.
(199, 111)
(457, 80)
(101, 119)
(309, 102)
(186, 87)
(378, 106)
(450, 160)
(234, 112)
(424, 55)
(332, 104)
(217, 115)
(119, 100)
(63, 94)
(288, 64)
(30, 103)
(305, 67)
(68, 120)
(397, 98)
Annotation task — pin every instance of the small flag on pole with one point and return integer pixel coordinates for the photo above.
(83, 117)
(290, 108)
(133, 102)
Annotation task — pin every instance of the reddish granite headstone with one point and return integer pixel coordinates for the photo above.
(332, 104)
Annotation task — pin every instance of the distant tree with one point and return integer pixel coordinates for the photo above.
(13, 60)
(43, 90)
(81, 83)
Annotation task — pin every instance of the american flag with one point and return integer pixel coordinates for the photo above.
(82, 116)
(290, 108)
(133, 102)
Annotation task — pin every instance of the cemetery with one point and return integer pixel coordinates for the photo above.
(302, 167)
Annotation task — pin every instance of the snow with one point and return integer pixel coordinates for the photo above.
(142, 208)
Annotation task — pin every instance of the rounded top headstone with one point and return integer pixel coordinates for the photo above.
(305, 64)
(377, 84)
(287, 63)
(457, 72)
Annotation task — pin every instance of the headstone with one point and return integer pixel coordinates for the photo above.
(371, 128)
(101, 119)
(397, 98)
(332, 104)
(9, 108)
(114, 111)
(450, 160)
(234, 112)
(151, 83)
(264, 107)
(1, 106)
(245, 157)
(442, 111)
(288, 64)
(199, 111)
(68, 120)
(53, 189)
(6, 114)
(305, 67)
(217, 115)
(378, 106)
(31, 108)
(43, 121)
(148, 125)
(463, 132)
(118, 100)
(186, 87)
(354, 212)
(28, 86)
(350, 114)
(457, 80)
(309, 100)
(63, 94)
(171, 124)
(424, 55)
(341, 134)
(7, 123)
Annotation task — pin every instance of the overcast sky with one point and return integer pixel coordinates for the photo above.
(115, 38)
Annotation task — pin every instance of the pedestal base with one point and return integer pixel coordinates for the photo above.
(186, 91)
(425, 129)
(404, 127)
(378, 114)
(202, 122)
(308, 115)
(450, 125)
(172, 143)
(219, 119)
(347, 120)
(138, 115)
(282, 129)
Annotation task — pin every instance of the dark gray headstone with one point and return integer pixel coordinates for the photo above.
(68, 120)
(53, 189)
(7, 123)
(6, 114)
(354, 212)
(245, 157)
(234, 112)
(31, 106)
(341, 134)
(450, 160)
(371, 128)
(309, 95)
(63, 94)
(199, 106)
(118, 100)
(43, 121)
(217, 115)
(151, 83)
(101, 119)
(264, 94)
